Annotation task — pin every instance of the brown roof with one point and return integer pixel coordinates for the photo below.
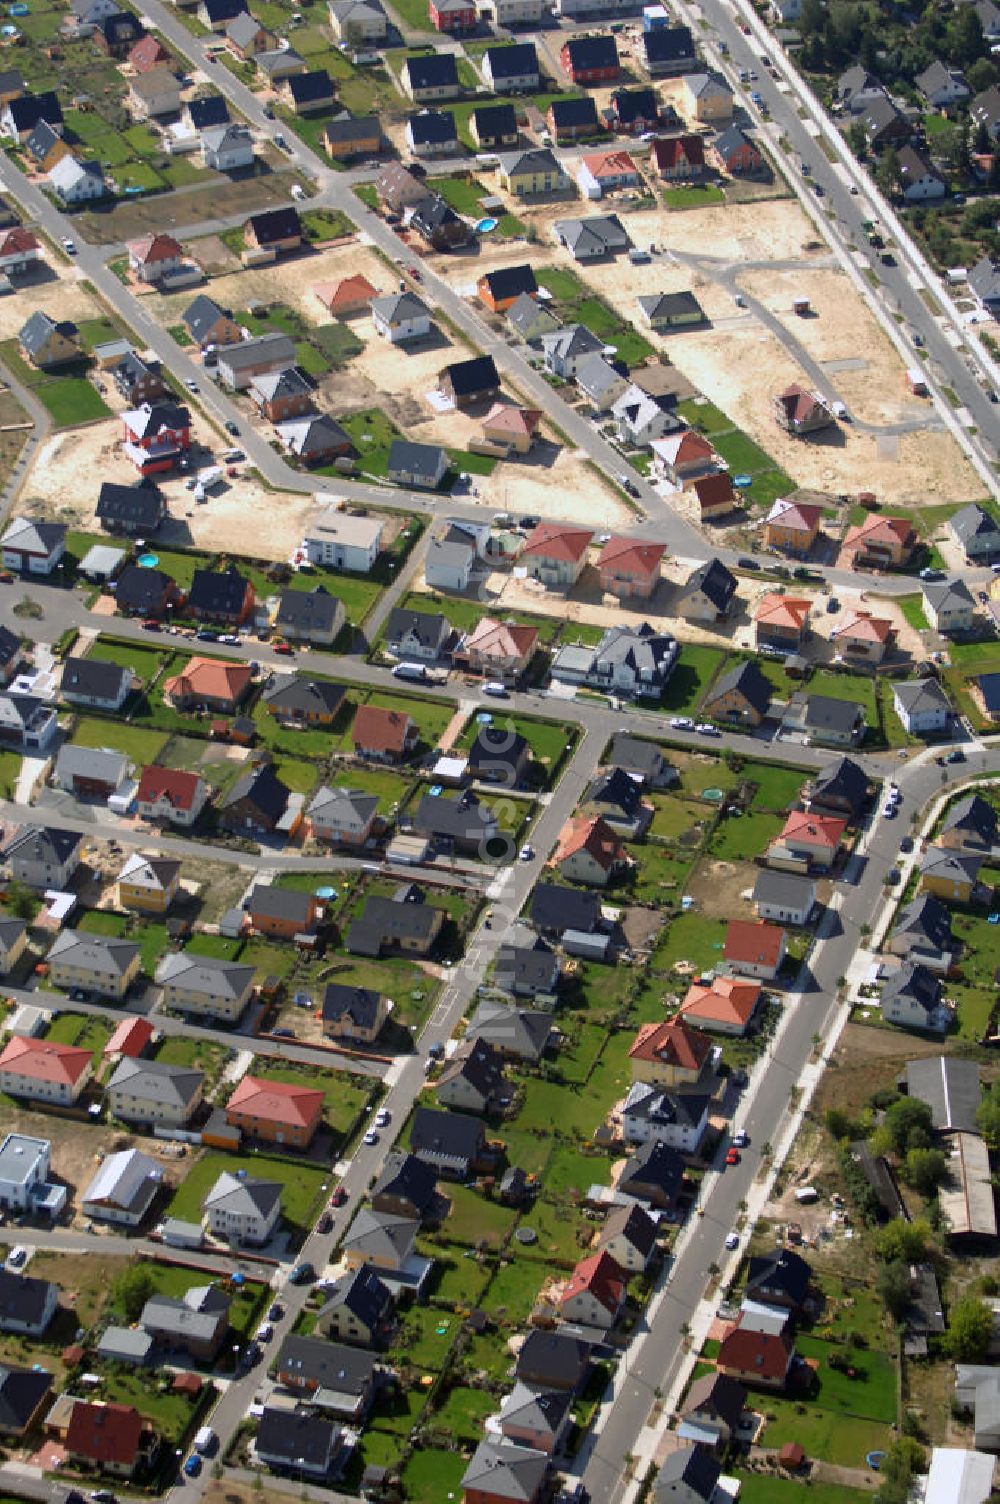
(749, 940)
(348, 293)
(764, 1353)
(677, 150)
(675, 1042)
(104, 1432)
(602, 1277)
(153, 247)
(380, 730)
(593, 835)
(714, 491)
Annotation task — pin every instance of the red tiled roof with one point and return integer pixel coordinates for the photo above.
(881, 529)
(602, 1277)
(813, 830)
(212, 678)
(684, 448)
(748, 940)
(556, 540)
(593, 835)
(798, 516)
(148, 52)
(763, 1353)
(674, 1042)
(862, 626)
(130, 1038)
(348, 293)
(729, 1000)
(278, 1101)
(783, 611)
(797, 402)
(45, 1060)
(380, 730)
(17, 238)
(153, 247)
(518, 420)
(609, 164)
(173, 784)
(632, 554)
(676, 150)
(104, 1432)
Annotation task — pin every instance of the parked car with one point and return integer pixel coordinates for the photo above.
(231, 427)
(302, 1274)
(682, 723)
(371, 1137)
(732, 1156)
(339, 1196)
(732, 1240)
(192, 1467)
(383, 1118)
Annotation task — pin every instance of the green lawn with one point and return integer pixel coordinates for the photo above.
(696, 668)
(854, 687)
(372, 434)
(575, 304)
(174, 1281)
(912, 607)
(462, 1413)
(71, 400)
(760, 1488)
(694, 196)
(777, 786)
(689, 937)
(80, 1029)
(473, 1219)
(302, 1184)
(432, 1475)
(740, 839)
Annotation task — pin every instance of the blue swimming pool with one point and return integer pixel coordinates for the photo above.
(485, 226)
(148, 561)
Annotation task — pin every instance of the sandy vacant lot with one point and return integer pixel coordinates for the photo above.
(233, 514)
(290, 282)
(61, 297)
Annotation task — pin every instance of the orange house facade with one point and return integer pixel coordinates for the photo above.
(275, 1112)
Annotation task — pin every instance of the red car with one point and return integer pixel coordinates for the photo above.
(285, 649)
(151, 625)
(733, 1157)
(339, 1196)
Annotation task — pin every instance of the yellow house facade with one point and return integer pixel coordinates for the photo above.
(148, 884)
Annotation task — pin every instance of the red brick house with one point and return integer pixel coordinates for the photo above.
(278, 1112)
(283, 913)
(452, 15)
(590, 59)
(156, 435)
(736, 153)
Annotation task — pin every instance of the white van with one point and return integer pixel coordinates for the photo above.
(495, 688)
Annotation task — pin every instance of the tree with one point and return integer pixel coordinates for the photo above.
(988, 1115)
(133, 1287)
(902, 1460)
(964, 40)
(893, 1285)
(888, 173)
(909, 1124)
(857, 138)
(838, 1124)
(982, 74)
(981, 143)
(907, 1241)
(970, 1330)
(925, 1169)
(812, 17)
(20, 900)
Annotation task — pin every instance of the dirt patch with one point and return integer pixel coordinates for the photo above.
(866, 1061)
(213, 200)
(62, 298)
(213, 256)
(641, 927)
(719, 889)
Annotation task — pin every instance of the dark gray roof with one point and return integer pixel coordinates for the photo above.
(273, 346)
(139, 589)
(201, 315)
(22, 1298)
(94, 678)
(513, 61)
(10, 646)
(430, 628)
(783, 1272)
(719, 1395)
(633, 1223)
(334, 1366)
(715, 580)
(262, 787)
(43, 843)
(469, 378)
(552, 1358)
(948, 593)
(517, 1031)
(30, 108)
(295, 694)
(556, 908)
(210, 111)
(825, 713)
(279, 903)
(436, 1136)
(301, 1437)
(363, 1294)
(391, 920)
(843, 780)
(157, 1082)
(360, 1004)
(668, 44)
(669, 305)
(973, 522)
(461, 818)
(951, 1088)
(275, 224)
(407, 1177)
(663, 1108)
(356, 128)
(431, 70)
(39, 328)
(631, 105)
(653, 1164)
(926, 918)
(785, 888)
(422, 460)
(495, 120)
(497, 748)
(21, 1392)
(140, 505)
(502, 1469)
(510, 281)
(479, 1064)
(747, 679)
(973, 815)
(598, 50)
(617, 790)
(311, 88)
(574, 114)
(307, 611)
(691, 1471)
(636, 755)
(526, 966)
(219, 592)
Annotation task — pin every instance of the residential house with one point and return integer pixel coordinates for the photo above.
(344, 540)
(452, 1143)
(13, 942)
(27, 723)
(951, 875)
(283, 913)
(349, 296)
(676, 1118)
(381, 1239)
(565, 349)
(857, 88)
(11, 647)
(343, 816)
(467, 382)
(110, 1437)
(276, 1112)
(862, 637)
(617, 799)
(713, 496)
(406, 1187)
(941, 86)
(355, 1015)
(93, 963)
(653, 1174)
(438, 226)
(399, 189)
(462, 824)
(27, 1305)
(135, 511)
(20, 250)
(213, 683)
(792, 527)
(24, 1398)
(148, 884)
(667, 311)
(537, 1419)
(153, 255)
(736, 153)
(154, 94)
(259, 804)
(570, 120)
(473, 1079)
(884, 125)
(669, 1054)
(48, 344)
(383, 735)
(403, 924)
(498, 650)
(707, 98)
(116, 35)
(20, 114)
(204, 986)
(785, 897)
(499, 756)
(209, 325)
(519, 1033)
(245, 36)
(629, 569)
(590, 59)
(989, 693)
(284, 394)
(511, 69)
(922, 932)
(237, 365)
(881, 542)
(604, 172)
(131, 1037)
(948, 605)
(688, 1475)
(919, 179)
(274, 230)
(922, 706)
(911, 998)
(400, 317)
(760, 1359)
(801, 413)
(151, 1092)
(528, 173)
(42, 1070)
(781, 622)
(629, 661)
(32, 547)
(984, 283)
(516, 428)
(825, 720)
(741, 696)
(430, 76)
(195, 1325)
(452, 16)
(669, 50)
(976, 531)
(682, 456)
(227, 148)
(357, 1309)
(595, 1293)
(223, 597)
(217, 14)
(422, 466)
(555, 553)
(970, 825)
(432, 133)
(713, 1410)
(358, 22)
(95, 683)
(642, 760)
(593, 239)
(601, 380)
(171, 796)
(327, 1376)
(43, 856)
(678, 159)
(156, 434)
(808, 839)
(502, 1472)
(242, 1210)
(754, 948)
(725, 1005)
(124, 1188)
(553, 1360)
(493, 126)
(589, 852)
(204, 112)
(147, 54)
(296, 700)
(633, 112)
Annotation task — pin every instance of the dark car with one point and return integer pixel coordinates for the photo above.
(892, 876)
(339, 1196)
(325, 1223)
(206, 636)
(302, 1274)
(527, 521)
(747, 564)
(957, 755)
(233, 428)
(276, 1311)
(906, 844)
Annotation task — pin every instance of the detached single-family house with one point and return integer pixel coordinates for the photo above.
(498, 650)
(629, 568)
(171, 795)
(430, 75)
(942, 86)
(707, 98)
(792, 527)
(380, 734)
(276, 1112)
(103, 964)
(708, 593)
(678, 159)
(205, 986)
(594, 239)
(148, 884)
(755, 949)
(741, 696)
(976, 531)
(923, 932)
(591, 59)
(922, 706)
(356, 1015)
(536, 1418)
(669, 50)
(343, 816)
(47, 343)
(781, 622)
(825, 720)
(589, 852)
(948, 874)
(432, 133)
(400, 317)
(726, 1005)
(42, 1070)
(154, 94)
(555, 553)
(528, 173)
(785, 897)
(243, 1211)
(801, 413)
(595, 1293)
(970, 825)
(862, 637)
(227, 148)
(150, 1092)
(512, 69)
(95, 683)
(948, 605)
(911, 998)
(467, 382)
(669, 1054)
(880, 542)
(259, 804)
